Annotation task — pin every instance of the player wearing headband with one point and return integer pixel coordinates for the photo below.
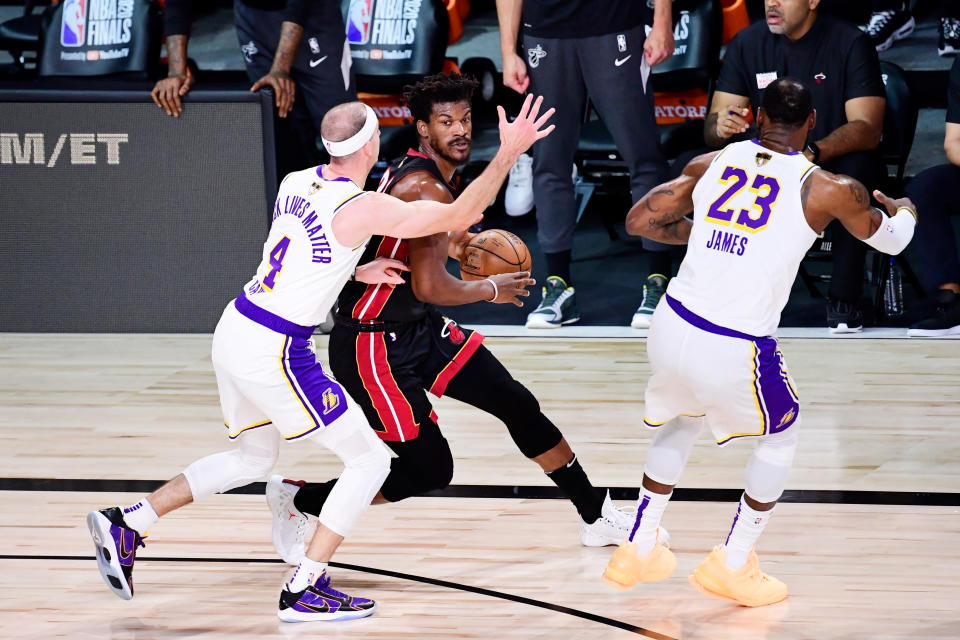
(271, 386)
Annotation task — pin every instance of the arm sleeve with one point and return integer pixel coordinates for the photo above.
(953, 93)
(297, 11)
(177, 17)
(732, 73)
(863, 71)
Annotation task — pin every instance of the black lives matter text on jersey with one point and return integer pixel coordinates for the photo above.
(80, 148)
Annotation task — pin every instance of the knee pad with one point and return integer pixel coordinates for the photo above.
(671, 448)
(770, 464)
(220, 472)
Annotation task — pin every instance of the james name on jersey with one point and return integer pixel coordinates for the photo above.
(727, 242)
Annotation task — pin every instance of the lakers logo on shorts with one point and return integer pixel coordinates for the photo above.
(787, 418)
(330, 400)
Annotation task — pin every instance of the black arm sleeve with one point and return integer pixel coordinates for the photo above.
(733, 72)
(177, 16)
(863, 71)
(297, 11)
(953, 93)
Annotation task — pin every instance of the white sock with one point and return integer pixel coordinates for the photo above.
(747, 526)
(140, 516)
(306, 574)
(650, 510)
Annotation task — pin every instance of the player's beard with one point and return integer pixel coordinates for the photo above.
(455, 155)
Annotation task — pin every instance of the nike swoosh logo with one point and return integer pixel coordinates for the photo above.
(619, 62)
(314, 63)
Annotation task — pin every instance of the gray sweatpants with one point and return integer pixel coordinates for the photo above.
(611, 70)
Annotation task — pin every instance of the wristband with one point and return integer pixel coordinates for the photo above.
(910, 211)
(496, 291)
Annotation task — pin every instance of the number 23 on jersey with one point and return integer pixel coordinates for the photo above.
(765, 190)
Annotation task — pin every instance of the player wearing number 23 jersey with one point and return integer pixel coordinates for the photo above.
(757, 207)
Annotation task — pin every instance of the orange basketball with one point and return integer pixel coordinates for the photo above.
(493, 251)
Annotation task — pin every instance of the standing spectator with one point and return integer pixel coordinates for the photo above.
(937, 190)
(298, 48)
(572, 49)
(840, 65)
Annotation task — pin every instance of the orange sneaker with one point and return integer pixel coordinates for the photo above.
(747, 585)
(626, 568)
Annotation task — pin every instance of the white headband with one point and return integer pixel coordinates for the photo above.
(356, 141)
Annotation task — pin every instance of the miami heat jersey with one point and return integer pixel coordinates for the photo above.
(303, 266)
(379, 301)
(748, 238)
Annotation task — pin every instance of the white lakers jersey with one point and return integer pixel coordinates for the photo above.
(748, 238)
(304, 267)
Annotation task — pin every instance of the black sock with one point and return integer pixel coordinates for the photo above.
(310, 497)
(660, 263)
(574, 483)
(558, 264)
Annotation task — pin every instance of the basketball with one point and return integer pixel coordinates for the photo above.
(493, 251)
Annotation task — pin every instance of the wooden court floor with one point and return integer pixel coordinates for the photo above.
(866, 538)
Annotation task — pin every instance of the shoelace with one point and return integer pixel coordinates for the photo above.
(878, 21)
(951, 28)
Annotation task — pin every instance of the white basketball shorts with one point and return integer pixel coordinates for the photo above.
(271, 376)
(739, 382)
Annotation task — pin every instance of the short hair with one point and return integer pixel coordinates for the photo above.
(787, 101)
(343, 121)
(436, 89)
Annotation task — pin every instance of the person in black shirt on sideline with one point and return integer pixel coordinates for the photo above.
(937, 190)
(298, 48)
(839, 64)
(573, 49)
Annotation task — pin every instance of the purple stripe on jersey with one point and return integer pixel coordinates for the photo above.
(636, 523)
(337, 179)
(349, 200)
(735, 518)
(757, 142)
(703, 323)
(323, 398)
(777, 396)
(270, 320)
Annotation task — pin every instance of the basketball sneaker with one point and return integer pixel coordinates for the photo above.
(627, 568)
(747, 585)
(320, 601)
(653, 290)
(886, 27)
(115, 545)
(613, 526)
(946, 320)
(292, 529)
(518, 198)
(558, 307)
(843, 317)
(949, 44)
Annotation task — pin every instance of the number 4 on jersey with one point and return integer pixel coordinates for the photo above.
(276, 261)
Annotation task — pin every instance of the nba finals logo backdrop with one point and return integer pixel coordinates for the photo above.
(396, 37)
(101, 37)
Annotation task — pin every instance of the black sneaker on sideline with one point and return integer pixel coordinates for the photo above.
(886, 27)
(946, 320)
(949, 37)
(843, 317)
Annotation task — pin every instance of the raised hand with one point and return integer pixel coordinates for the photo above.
(892, 205)
(519, 135)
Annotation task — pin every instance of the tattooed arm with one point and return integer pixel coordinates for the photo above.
(278, 78)
(659, 215)
(827, 196)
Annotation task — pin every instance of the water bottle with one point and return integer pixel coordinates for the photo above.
(893, 294)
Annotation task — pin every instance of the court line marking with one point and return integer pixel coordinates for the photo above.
(586, 615)
(527, 492)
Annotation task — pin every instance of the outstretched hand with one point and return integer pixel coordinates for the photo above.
(891, 205)
(381, 271)
(519, 135)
